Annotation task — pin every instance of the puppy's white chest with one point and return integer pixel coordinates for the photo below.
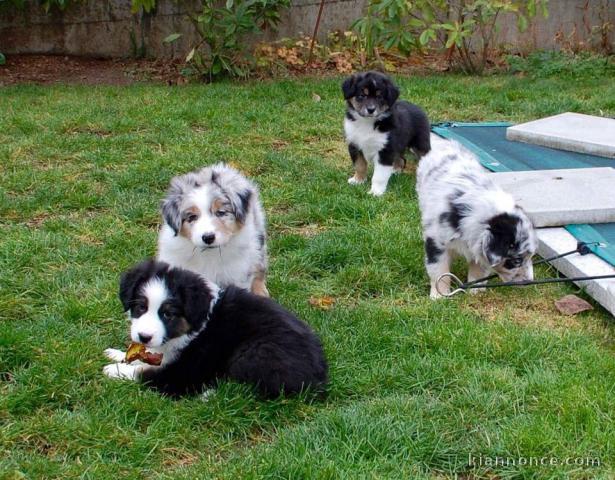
(361, 132)
(229, 265)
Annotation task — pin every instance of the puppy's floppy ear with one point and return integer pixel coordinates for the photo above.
(391, 92)
(349, 87)
(132, 279)
(195, 297)
(241, 204)
(170, 206)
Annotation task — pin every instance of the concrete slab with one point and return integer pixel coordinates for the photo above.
(553, 241)
(561, 197)
(569, 131)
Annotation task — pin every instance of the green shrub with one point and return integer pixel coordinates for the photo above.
(223, 28)
(464, 28)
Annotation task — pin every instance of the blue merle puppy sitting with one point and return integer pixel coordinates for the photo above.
(463, 212)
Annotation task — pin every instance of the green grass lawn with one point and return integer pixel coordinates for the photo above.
(416, 386)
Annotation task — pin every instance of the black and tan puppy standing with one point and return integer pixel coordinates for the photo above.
(380, 128)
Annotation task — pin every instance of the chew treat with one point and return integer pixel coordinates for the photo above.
(136, 351)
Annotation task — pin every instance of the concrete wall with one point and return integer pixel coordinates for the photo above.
(107, 28)
(570, 23)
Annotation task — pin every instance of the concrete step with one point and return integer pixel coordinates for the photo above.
(554, 241)
(561, 197)
(569, 131)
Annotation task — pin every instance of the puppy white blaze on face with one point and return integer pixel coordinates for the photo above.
(208, 220)
(147, 326)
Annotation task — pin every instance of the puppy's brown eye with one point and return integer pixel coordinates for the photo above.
(192, 218)
(166, 315)
(220, 213)
(138, 310)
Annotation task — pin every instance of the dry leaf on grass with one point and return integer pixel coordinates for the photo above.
(136, 351)
(315, 97)
(571, 305)
(324, 303)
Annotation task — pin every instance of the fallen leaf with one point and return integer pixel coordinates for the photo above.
(324, 303)
(152, 358)
(315, 97)
(136, 351)
(571, 305)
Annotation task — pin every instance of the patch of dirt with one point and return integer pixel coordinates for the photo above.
(49, 69)
(178, 458)
(526, 310)
(310, 230)
(278, 144)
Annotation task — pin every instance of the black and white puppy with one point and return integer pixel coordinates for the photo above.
(214, 225)
(380, 129)
(207, 334)
(464, 212)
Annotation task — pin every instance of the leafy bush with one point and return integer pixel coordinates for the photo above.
(223, 28)
(465, 29)
(549, 63)
(387, 25)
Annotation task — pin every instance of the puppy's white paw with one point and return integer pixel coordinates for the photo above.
(356, 181)
(434, 295)
(377, 191)
(122, 371)
(115, 354)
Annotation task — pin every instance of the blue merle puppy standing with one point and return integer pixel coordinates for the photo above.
(380, 129)
(465, 213)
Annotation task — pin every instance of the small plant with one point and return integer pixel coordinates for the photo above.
(223, 29)
(465, 29)
(387, 25)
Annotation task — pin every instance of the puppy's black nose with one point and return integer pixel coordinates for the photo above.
(144, 338)
(208, 238)
(371, 110)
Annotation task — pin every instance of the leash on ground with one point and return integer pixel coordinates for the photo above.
(463, 287)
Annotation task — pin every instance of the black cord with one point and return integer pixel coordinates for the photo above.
(582, 249)
(523, 283)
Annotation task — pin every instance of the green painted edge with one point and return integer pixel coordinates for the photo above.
(586, 233)
(487, 160)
